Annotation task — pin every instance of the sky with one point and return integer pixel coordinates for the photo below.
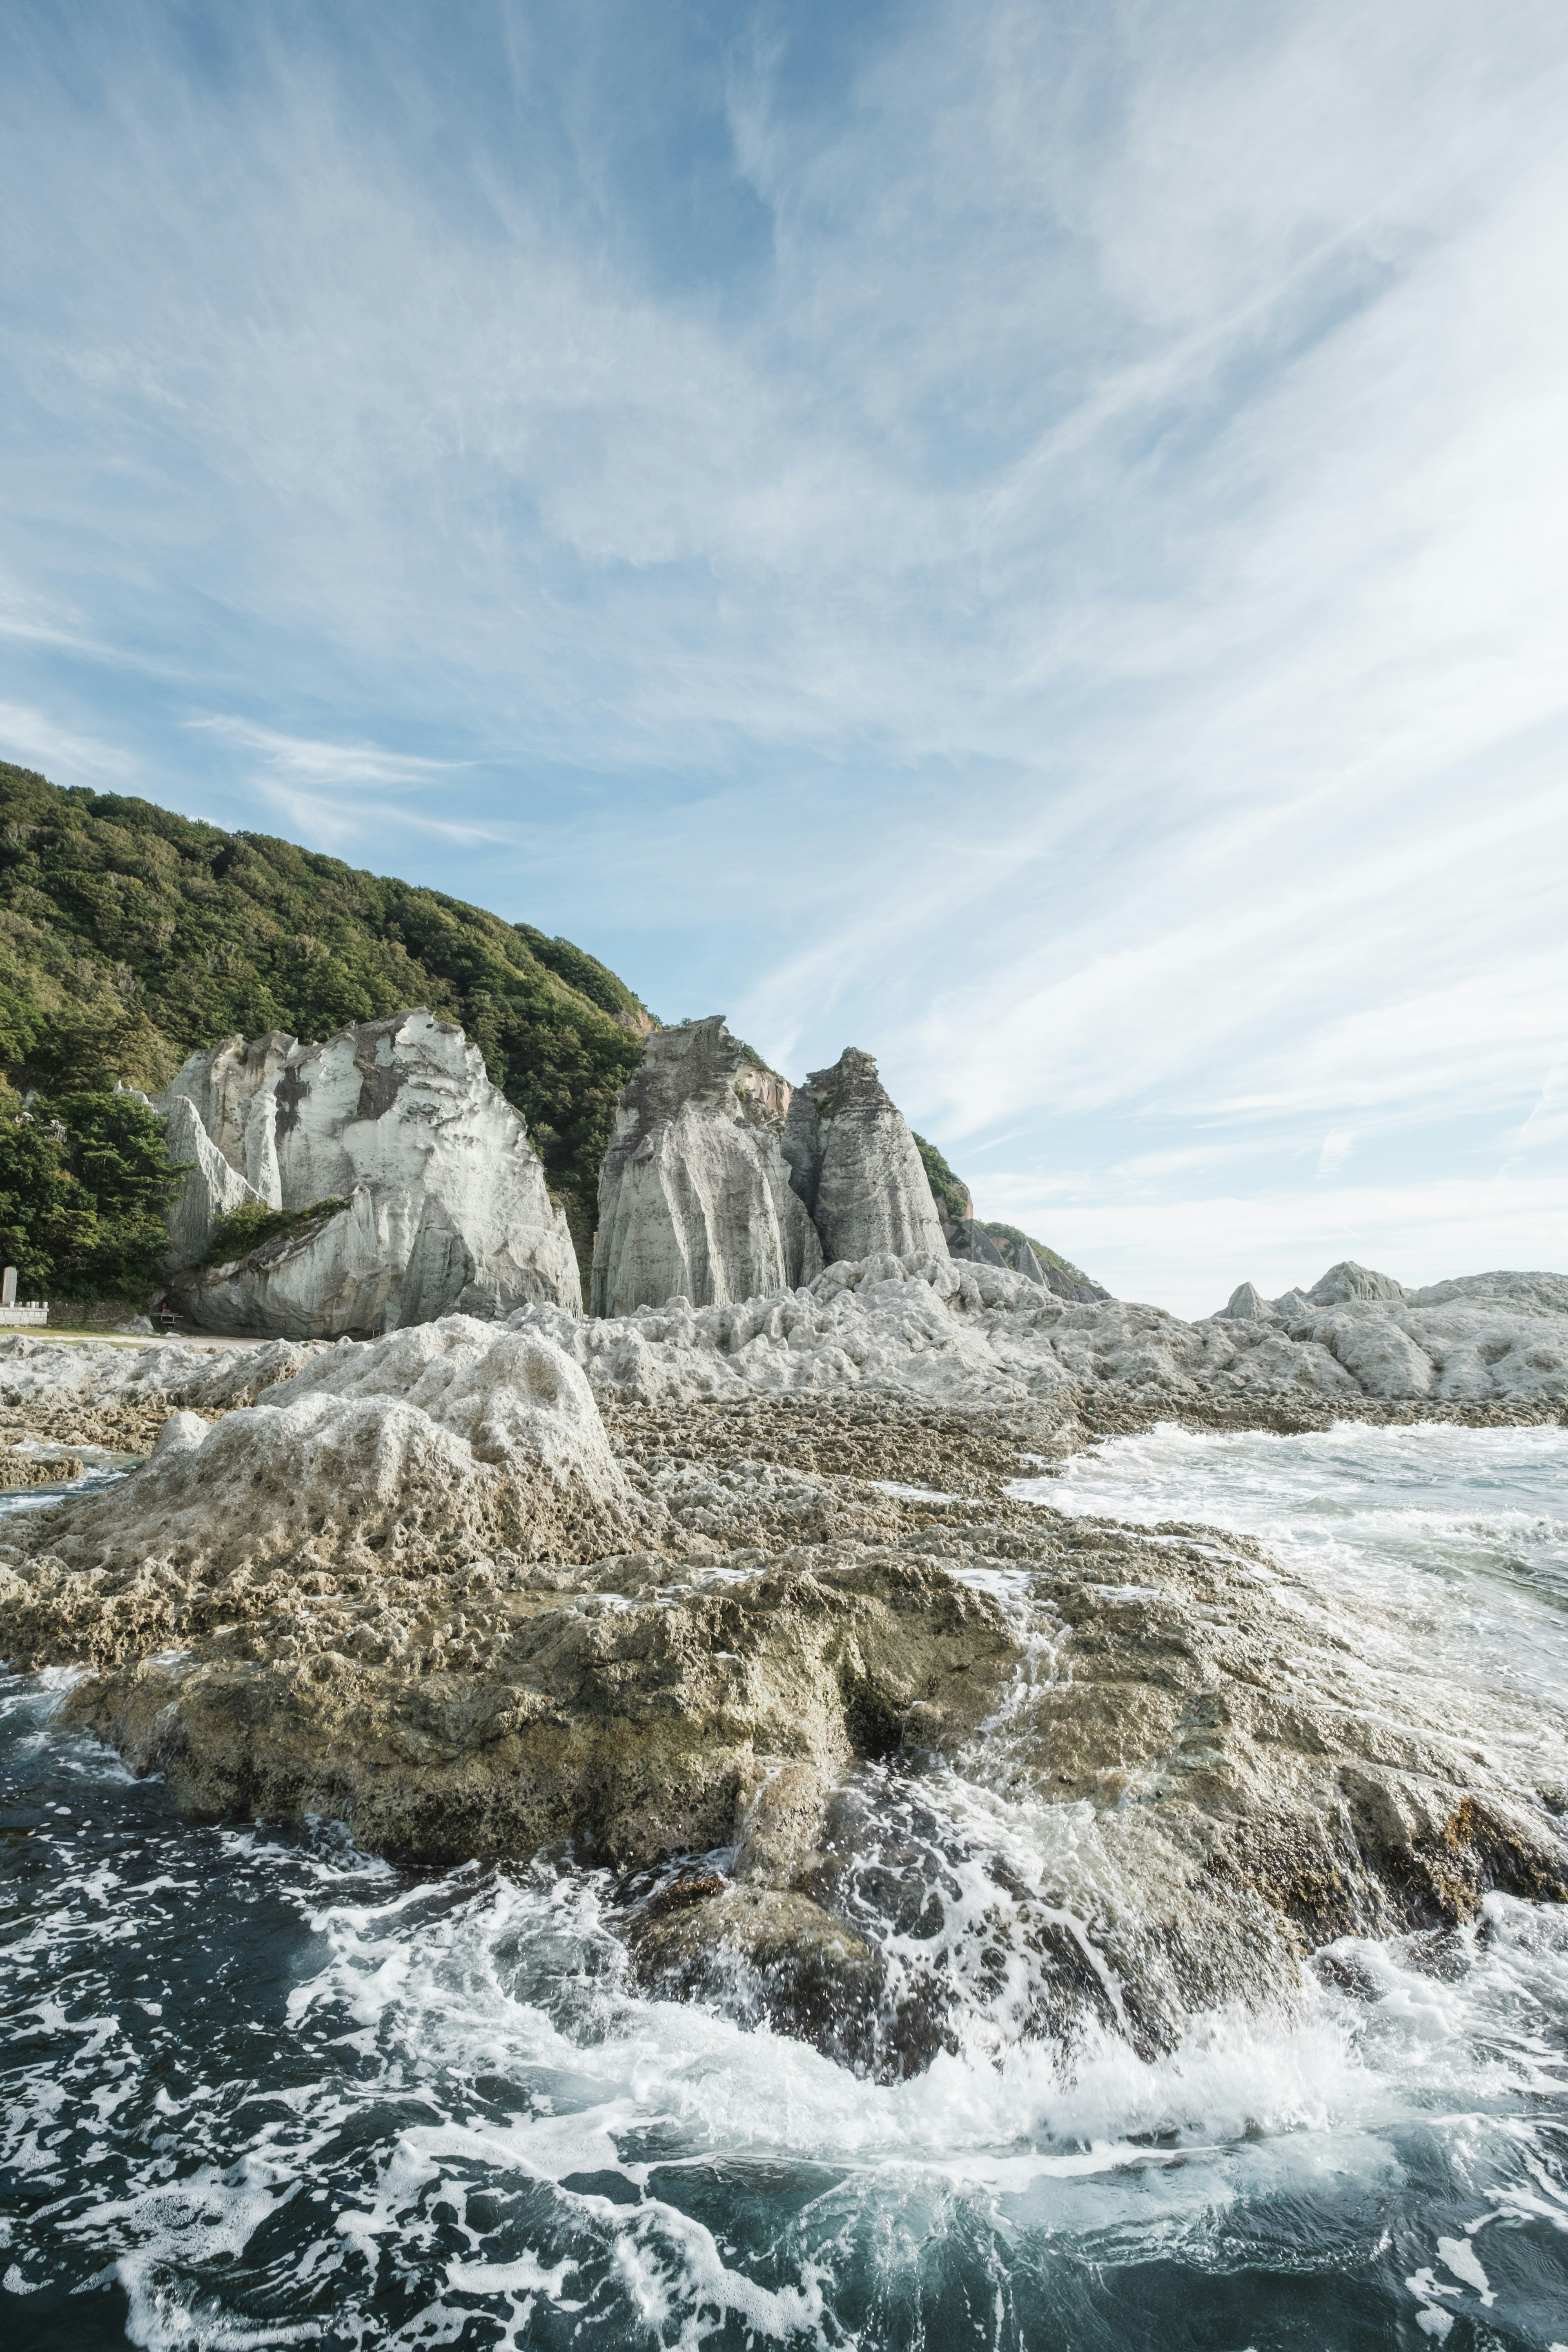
(1029, 539)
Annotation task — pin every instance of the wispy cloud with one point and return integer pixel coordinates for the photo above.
(33, 740)
(1036, 542)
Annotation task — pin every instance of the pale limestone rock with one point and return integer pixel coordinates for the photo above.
(213, 1189)
(970, 1242)
(391, 1257)
(966, 1334)
(428, 1445)
(1381, 1355)
(856, 1165)
(230, 1090)
(1347, 1281)
(1530, 1294)
(96, 1373)
(447, 1202)
(1245, 1304)
(695, 1200)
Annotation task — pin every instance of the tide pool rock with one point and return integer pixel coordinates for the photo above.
(855, 1164)
(447, 1207)
(695, 1200)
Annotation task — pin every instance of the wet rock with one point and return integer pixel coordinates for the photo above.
(782, 1826)
(764, 1953)
(21, 1469)
(857, 1167)
(695, 1202)
(442, 1727)
(447, 1207)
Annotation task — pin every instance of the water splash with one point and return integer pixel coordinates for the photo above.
(265, 2090)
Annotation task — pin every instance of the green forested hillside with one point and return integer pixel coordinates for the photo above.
(129, 936)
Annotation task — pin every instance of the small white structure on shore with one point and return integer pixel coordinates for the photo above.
(12, 1309)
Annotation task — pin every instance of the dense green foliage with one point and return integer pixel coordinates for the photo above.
(83, 1179)
(129, 937)
(245, 1229)
(950, 1193)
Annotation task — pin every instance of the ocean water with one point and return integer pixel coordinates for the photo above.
(260, 2089)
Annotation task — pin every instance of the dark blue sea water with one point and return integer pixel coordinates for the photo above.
(262, 2090)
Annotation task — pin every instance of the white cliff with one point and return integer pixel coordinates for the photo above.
(695, 1200)
(443, 1201)
(856, 1166)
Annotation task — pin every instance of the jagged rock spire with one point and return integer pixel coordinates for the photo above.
(855, 1164)
(694, 1196)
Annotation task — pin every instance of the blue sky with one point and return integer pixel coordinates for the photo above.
(1030, 539)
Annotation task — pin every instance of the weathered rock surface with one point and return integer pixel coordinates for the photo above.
(446, 1208)
(1245, 1304)
(450, 1437)
(855, 1164)
(978, 1334)
(695, 1200)
(92, 1392)
(213, 1187)
(1239, 1771)
(1347, 1282)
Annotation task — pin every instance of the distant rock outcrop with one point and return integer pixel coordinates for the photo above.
(855, 1164)
(995, 1244)
(695, 1199)
(432, 1198)
(1347, 1281)
(1245, 1304)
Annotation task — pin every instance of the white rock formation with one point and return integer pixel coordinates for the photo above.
(446, 1204)
(1347, 1282)
(34, 1373)
(213, 1187)
(230, 1090)
(423, 1447)
(969, 1334)
(695, 1200)
(1245, 1304)
(855, 1164)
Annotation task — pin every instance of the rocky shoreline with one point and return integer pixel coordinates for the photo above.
(439, 1586)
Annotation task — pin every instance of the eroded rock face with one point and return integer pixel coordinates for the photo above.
(1245, 1304)
(695, 1200)
(855, 1164)
(213, 1187)
(1347, 1281)
(975, 1334)
(1142, 1786)
(446, 1208)
(452, 1437)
